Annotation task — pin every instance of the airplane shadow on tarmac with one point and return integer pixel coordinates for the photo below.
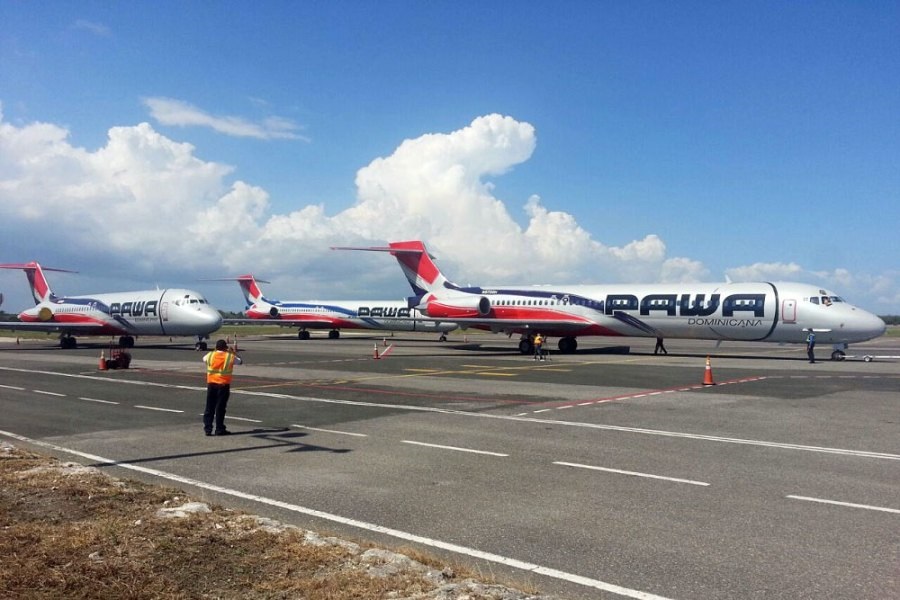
(626, 351)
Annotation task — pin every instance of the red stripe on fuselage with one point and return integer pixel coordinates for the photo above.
(106, 328)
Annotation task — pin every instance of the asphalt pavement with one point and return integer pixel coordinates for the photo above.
(610, 473)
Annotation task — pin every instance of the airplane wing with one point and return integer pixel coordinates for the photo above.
(507, 325)
(320, 323)
(74, 328)
(557, 326)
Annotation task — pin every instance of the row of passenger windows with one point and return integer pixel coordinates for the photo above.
(544, 303)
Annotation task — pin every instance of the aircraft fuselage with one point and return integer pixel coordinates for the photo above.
(771, 312)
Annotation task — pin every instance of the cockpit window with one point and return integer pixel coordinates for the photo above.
(814, 300)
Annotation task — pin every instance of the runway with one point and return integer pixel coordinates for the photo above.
(594, 475)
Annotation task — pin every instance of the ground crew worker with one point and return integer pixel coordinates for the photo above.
(219, 365)
(538, 347)
(810, 345)
(659, 346)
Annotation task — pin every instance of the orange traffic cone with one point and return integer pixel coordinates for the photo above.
(102, 364)
(376, 352)
(708, 376)
(384, 341)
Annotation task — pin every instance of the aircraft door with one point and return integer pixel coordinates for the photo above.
(164, 311)
(789, 311)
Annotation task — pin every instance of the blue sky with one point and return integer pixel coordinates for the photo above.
(151, 143)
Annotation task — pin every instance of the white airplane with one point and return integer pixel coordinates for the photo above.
(765, 312)
(126, 314)
(384, 315)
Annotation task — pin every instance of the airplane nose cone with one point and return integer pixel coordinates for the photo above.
(213, 318)
(878, 326)
(206, 319)
(870, 326)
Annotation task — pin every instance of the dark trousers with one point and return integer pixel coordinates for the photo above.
(810, 353)
(216, 401)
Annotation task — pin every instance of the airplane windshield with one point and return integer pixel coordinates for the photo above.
(825, 300)
(188, 300)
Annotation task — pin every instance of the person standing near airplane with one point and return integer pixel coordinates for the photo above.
(810, 345)
(659, 346)
(539, 347)
(219, 366)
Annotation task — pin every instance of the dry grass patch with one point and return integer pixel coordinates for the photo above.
(67, 531)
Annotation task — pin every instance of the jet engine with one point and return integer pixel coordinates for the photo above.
(465, 307)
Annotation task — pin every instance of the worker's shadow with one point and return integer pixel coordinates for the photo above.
(289, 437)
(276, 438)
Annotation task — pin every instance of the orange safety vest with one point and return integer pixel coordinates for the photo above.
(219, 365)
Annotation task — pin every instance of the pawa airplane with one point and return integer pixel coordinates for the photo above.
(764, 312)
(126, 314)
(389, 315)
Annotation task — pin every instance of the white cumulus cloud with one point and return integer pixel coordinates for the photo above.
(149, 206)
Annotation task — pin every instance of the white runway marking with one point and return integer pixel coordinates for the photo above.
(13, 387)
(243, 419)
(396, 533)
(96, 400)
(171, 410)
(46, 393)
(848, 504)
(457, 449)
(633, 473)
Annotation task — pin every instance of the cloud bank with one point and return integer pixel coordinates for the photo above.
(149, 202)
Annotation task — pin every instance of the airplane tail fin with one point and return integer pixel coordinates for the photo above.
(417, 264)
(249, 286)
(40, 289)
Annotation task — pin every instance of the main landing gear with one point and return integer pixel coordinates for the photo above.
(332, 335)
(567, 345)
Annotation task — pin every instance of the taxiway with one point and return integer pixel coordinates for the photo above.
(598, 474)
